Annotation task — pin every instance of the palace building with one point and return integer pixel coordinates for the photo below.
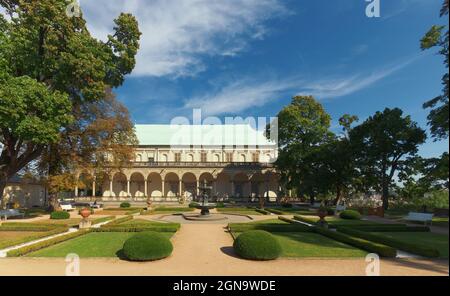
(173, 161)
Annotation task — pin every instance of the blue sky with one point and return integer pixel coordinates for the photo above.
(250, 57)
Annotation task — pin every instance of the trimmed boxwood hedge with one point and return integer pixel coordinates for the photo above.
(275, 211)
(398, 244)
(118, 221)
(262, 211)
(125, 205)
(305, 219)
(257, 245)
(350, 215)
(44, 244)
(147, 246)
(59, 215)
(241, 227)
(286, 220)
(373, 247)
(390, 228)
(103, 219)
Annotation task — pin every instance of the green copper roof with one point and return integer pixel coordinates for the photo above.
(200, 135)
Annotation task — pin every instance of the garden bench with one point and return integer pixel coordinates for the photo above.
(420, 217)
(10, 213)
(67, 207)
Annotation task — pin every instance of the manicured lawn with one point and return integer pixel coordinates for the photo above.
(143, 223)
(440, 221)
(95, 244)
(309, 245)
(337, 221)
(438, 241)
(69, 222)
(11, 238)
(268, 221)
(238, 210)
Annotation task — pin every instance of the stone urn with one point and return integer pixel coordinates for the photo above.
(85, 222)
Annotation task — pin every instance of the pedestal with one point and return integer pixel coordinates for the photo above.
(85, 223)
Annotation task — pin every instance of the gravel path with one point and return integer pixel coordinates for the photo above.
(205, 249)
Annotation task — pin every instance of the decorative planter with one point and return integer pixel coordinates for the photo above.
(85, 212)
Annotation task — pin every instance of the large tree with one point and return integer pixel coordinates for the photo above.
(303, 126)
(382, 145)
(41, 43)
(438, 117)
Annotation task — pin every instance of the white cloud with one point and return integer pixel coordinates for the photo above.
(244, 94)
(177, 34)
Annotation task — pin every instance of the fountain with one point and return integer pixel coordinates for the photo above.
(204, 207)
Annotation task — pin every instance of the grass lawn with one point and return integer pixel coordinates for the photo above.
(143, 223)
(69, 222)
(240, 211)
(310, 245)
(439, 241)
(11, 238)
(337, 221)
(440, 221)
(94, 244)
(268, 221)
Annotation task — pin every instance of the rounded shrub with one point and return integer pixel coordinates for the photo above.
(147, 246)
(257, 245)
(59, 215)
(350, 215)
(125, 205)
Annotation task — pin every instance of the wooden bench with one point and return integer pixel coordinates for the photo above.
(419, 217)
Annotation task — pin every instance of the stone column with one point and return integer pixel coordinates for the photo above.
(197, 189)
(128, 188)
(162, 187)
(93, 188)
(232, 188)
(110, 188)
(145, 188)
(180, 188)
(214, 187)
(76, 190)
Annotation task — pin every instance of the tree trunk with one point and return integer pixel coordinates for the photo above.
(385, 197)
(53, 202)
(2, 189)
(338, 195)
(311, 199)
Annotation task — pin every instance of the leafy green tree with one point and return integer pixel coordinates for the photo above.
(40, 41)
(302, 127)
(382, 145)
(438, 117)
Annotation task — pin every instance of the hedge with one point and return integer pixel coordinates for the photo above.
(44, 244)
(373, 247)
(125, 205)
(39, 235)
(257, 245)
(103, 219)
(350, 215)
(262, 211)
(389, 228)
(241, 227)
(275, 211)
(31, 227)
(118, 221)
(136, 229)
(59, 215)
(286, 219)
(305, 219)
(147, 246)
(395, 243)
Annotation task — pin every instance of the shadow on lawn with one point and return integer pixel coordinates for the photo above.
(229, 251)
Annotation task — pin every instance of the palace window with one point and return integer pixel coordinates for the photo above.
(203, 157)
(177, 157)
(151, 159)
(255, 157)
(229, 157)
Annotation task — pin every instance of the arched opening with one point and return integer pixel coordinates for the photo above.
(120, 185)
(223, 186)
(242, 158)
(171, 185)
(189, 187)
(272, 185)
(154, 185)
(257, 185)
(164, 158)
(137, 185)
(216, 158)
(241, 185)
(102, 182)
(190, 158)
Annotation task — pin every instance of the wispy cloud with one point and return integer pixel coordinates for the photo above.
(177, 34)
(244, 94)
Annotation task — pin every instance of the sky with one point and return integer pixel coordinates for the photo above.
(248, 58)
